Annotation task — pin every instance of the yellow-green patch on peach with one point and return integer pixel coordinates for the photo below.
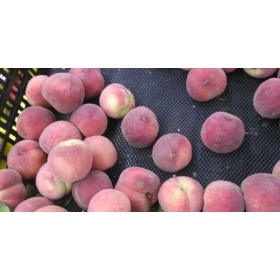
(70, 160)
(181, 194)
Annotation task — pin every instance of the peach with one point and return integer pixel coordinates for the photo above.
(260, 72)
(222, 132)
(70, 160)
(104, 153)
(90, 120)
(92, 80)
(26, 157)
(65, 92)
(141, 187)
(34, 91)
(276, 169)
(12, 189)
(109, 200)
(32, 204)
(181, 194)
(51, 208)
(172, 152)
(223, 196)
(84, 190)
(49, 185)
(32, 121)
(278, 74)
(116, 100)
(140, 127)
(261, 192)
(266, 99)
(204, 84)
(229, 70)
(57, 132)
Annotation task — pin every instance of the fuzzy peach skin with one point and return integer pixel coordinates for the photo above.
(116, 100)
(276, 169)
(70, 160)
(204, 84)
(141, 186)
(223, 196)
(104, 153)
(90, 119)
(57, 132)
(84, 190)
(261, 193)
(260, 72)
(92, 80)
(51, 208)
(32, 121)
(222, 132)
(34, 91)
(229, 70)
(32, 204)
(140, 127)
(65, 92)
(109, 200)
(181, 194)
(266, 100)
(172, 152)
(49, 185)
(26, 157)
(12, 189)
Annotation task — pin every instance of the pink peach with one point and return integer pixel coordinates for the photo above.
(181, 194)
(92, 80)
(109, 200)
(12, 189)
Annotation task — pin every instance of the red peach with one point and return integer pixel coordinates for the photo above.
(141, 186)
(172, 152)
(26, 157)
(90, 120)
(204, 84)
(266, 99)
(222, 132)
(261, 193)
(140, 127)
(32, 121)
(92, 80)
(84, 190)
(65, 92)
(12, 189)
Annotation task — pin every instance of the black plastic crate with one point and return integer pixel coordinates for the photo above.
(164, 91)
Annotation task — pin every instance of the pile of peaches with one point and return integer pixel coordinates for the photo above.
(71, 156)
